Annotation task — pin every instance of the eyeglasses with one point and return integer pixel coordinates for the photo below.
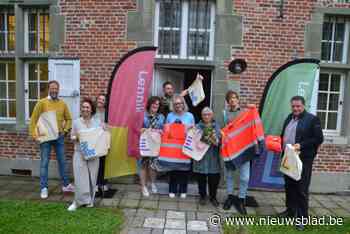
(178, 103)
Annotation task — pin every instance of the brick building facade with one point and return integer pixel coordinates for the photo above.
(36, 35)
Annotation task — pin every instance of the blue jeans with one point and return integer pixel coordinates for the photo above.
(244, 173)
(45, 150)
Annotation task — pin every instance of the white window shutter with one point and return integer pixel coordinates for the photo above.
(67, 73)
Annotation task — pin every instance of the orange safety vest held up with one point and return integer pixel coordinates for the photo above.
(173, 138)
(241, 137)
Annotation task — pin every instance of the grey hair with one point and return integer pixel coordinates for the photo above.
(182, 99)
(206, 110)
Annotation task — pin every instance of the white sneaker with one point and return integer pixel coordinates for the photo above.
(91, 205)
(73, 207)
(68, 189)
(44, 193)
(145, 192)
(105, 188)
(172, 195)
(154, 188)
(183, 195)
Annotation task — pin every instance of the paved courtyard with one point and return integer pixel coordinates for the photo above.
(161, 214)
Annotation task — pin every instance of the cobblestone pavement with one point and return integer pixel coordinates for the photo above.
(161, 214)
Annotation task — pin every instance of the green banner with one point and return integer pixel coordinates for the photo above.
(294, 78)
(298, 77)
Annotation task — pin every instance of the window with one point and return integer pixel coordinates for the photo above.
(36, 84)
(7, 31)
(330, 101)
(37, 31)
(35, 37)
(185, 29)
(335, 39)
(7, 91)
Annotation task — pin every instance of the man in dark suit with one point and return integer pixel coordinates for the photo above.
(302, 130)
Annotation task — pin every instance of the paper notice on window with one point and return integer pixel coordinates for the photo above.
(291, 164)
(196, 92)
(47, 129)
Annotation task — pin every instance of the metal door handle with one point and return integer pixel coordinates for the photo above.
(75, 93)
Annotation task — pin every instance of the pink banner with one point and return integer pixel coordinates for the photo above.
(128, 92)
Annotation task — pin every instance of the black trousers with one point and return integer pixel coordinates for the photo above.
(297, 192)
(212, 180)
(178, 181)
(101, 181)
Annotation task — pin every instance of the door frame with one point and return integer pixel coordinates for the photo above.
(171, 66)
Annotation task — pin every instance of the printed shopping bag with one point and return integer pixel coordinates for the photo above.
(196, 91)
(46, 127)
(193, 146)
(149, 144)
(291, 164)
(94, 142)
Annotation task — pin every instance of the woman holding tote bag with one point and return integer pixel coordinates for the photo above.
(85, 171)
(152, 120)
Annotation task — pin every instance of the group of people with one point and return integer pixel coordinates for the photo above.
(172, 108)
(301, 129)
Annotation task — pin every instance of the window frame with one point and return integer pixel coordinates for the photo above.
(7, 99)
(338, 130)
(26, 85)
(7, 12)
(38, 12)
(184, 31)
(346, 44)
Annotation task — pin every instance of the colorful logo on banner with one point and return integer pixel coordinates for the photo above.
(298, 77)
(127, 95)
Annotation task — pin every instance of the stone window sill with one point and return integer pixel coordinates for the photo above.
(12, 127)
(335, 140)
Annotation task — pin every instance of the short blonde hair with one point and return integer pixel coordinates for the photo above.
(178, 97)
(207, 110)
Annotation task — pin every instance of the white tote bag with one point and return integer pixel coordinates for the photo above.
(193, 146)
(46, 127)
(291, 164)
(94, 142)
(149, 144)
(196, 92)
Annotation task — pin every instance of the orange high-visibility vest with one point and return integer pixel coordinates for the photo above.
(173, 138)
(241, 136)
(273, 143)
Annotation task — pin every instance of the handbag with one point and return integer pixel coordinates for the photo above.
(94, 143)
(149, 144)
(46, 127)
(291, 165)
(196, 92)
(193, 146)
